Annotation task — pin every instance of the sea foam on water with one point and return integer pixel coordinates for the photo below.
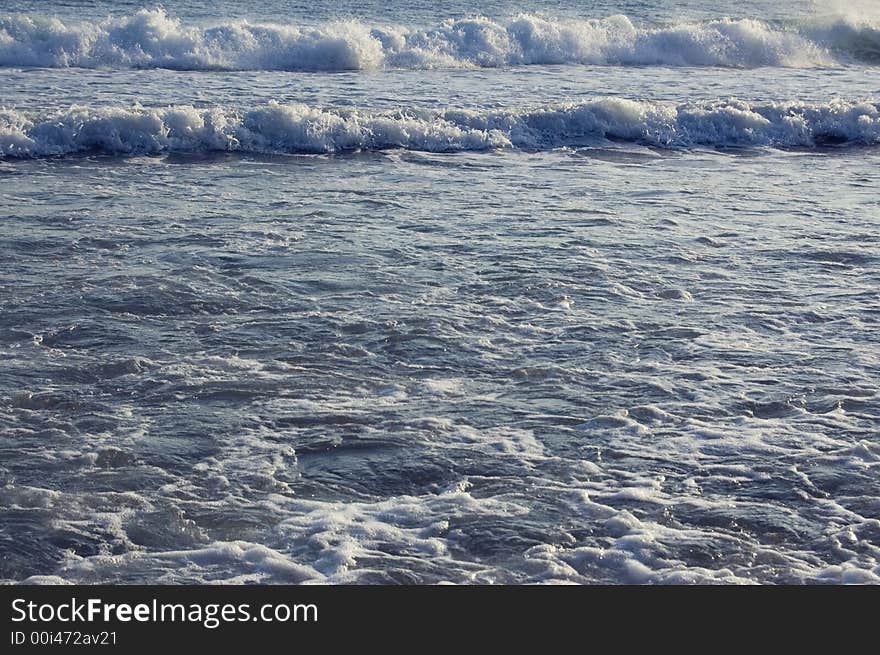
(152, 39)
(298, 128)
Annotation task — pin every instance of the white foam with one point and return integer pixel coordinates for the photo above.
(151, 38)
(297, 128)
(323, 542)
(46, 580)
(232, 562)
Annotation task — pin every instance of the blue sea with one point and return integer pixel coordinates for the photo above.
(502, 292)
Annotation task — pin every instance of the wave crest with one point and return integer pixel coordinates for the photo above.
(152, 39)
(296, 128)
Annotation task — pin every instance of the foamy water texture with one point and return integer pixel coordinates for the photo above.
(381, 292)
(301, 129)
(150, 38)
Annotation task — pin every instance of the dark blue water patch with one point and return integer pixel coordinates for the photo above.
(164, 529)
(89, 332)
(839, 257)
(31, 543)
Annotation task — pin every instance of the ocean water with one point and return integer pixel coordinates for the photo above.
(471, 292)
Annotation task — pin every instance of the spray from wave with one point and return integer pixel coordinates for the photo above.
(296, 128)
(152, 39)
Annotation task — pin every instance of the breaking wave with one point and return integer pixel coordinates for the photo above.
(152, 39)
(297, 128)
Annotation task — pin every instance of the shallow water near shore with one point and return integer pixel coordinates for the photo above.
(494, 320)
